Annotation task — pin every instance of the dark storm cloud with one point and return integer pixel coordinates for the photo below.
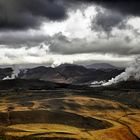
(16, 39)
(127, 7)
(60, 44)
(22, 14)
(106, 20)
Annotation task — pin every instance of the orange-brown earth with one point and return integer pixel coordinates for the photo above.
(67, 115)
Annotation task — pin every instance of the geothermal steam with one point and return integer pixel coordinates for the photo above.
(131, 73)
(97, 83)
(14, 75)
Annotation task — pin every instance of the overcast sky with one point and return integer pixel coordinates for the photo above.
(52, 32)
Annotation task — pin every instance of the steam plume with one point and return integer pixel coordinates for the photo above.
(14, 75)
(131, 73)
(97, 83)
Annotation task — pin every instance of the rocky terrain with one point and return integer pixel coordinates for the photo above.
(69, 112)
(64, 73)
(68, 73)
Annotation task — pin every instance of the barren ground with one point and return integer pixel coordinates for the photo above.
(70, 115)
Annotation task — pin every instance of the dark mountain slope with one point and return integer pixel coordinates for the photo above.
(5, 72)
(68, 73)
(101, 66)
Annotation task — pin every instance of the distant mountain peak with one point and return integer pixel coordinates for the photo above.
(66, 73)
(101, 66)
(66, 64)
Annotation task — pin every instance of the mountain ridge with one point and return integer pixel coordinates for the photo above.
(102, 66)
(69, 73)
(66, 73)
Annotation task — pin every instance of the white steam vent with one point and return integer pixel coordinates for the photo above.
(97, 83)
(15, 73)
(131, 73)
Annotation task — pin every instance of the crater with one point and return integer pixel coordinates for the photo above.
(53, 117)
